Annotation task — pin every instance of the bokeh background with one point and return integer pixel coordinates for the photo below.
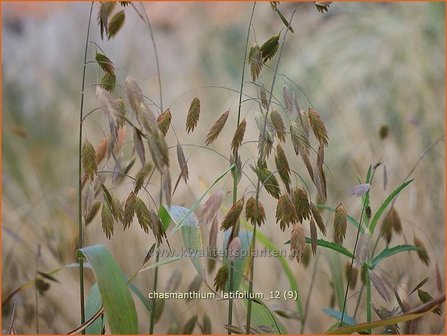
(362, 66)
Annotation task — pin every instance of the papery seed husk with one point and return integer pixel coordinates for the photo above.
(301, 203)
(380, 285)
(129, 210)
(105, 63)
(107, 220)
(422, 254)
(139, 146)
(285, 212)
(221, 278)
(105, 10)
(164, 121)
(318, 219)
(92, 213)
(88, 156)
(263, 94)
(268, 180)
(318, 127)
(254, 211)
(234, 249)
(159, 150)
(269, 48)
(255, 60)
(182, 163)
(115, 24)
(351, 274)
(313, 235)
(278, 125)
(217, 128)
(282, 165)
(210, 208)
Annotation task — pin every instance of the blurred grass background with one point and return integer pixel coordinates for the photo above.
(363, 66)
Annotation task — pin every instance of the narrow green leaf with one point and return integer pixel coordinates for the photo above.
(239, 262)
(263, 317)
(92, 305)
(385, 204)
(192, 236)
(387, 252)
(329, 245)
(117, 300)
(337, 315)
(163, 214)
(160, 263)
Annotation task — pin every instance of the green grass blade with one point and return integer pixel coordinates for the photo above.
(115, 295)
(92, 305)
(239, 262)
(337, 315)
(385, 204)
(160, 263)
(351, 220)
(337, 277)
(388, 252)
(261, 316)
(329, 245)
(285, 265)
(192, 236)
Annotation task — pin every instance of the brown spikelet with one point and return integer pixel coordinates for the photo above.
(263, 94)
(306, 256)
(143, 214)
(232, 216)
(211, 207)
(363, 270)
(166, 186)
(285, 212)
(129, 210)
(301, 203)
(297, 241)
(351, 274)
(105, 10)
(255, 60)
(282, 165)
(141, 176)
(107, 220)
(278, 125)
(89, 164)
(115, 24)
(268, 180)
(134, 95)
(340, 224)
(221, 278)
(238, 136)
(236, 171)
(320, 176)
(313, 235)
(139, 146)
(422, 253)
(156, 226)
(301, 143)
(318, 127)
(101, 151)
(90, 215)
(217, 128)
(105, 63)
(269, 48)
(164, 121)
(117, 210)
(426, 297)
(182, 163)
(149, 254)
(318, 219)
(159, 150)
(254, 211)
(193, 115)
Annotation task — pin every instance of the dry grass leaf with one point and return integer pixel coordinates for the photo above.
(221, 278)
(193, 115)
(422, 253)
(182, 162)
(139, 146)
(340, 224)
(297, 241)
(278, 125)
(107, 220)
(318, 219)
(134, 96)
(285, 212)
(255, 60)
(269, 48)
(282, 165)
(238, 136)
(254, 211)
(129, 210)
(318, 127)
(211, 207)
(159, 150)
(301, 203)
(217, 128)
(88, 157)
(115, 24)
(164, 121)
(232, 217)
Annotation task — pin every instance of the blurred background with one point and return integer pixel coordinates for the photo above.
(374, 71)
